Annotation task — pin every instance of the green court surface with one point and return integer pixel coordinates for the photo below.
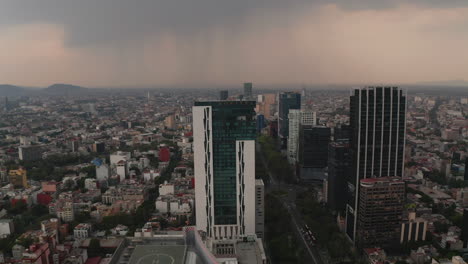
(158, 254)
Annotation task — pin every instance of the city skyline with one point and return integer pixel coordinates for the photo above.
(221, 132)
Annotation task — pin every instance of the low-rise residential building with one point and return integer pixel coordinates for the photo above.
(82, 231)
(6, 227)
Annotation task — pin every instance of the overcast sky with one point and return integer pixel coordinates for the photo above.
(100, 43)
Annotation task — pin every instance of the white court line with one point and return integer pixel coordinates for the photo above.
(157, 258)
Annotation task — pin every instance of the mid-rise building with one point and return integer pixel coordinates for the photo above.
(121, 169)
(73, 144)
(170, 122)
(102, 172)
(166, 189)
(64, 210)
(118, 156)
(259, 208)
(381, 203)
(413, 229)
(224, 158)
(18, 178)
(82, 231)
(266, 105)
(30, 153)
(90, 184)
(309, 118)
(3, 174)
(286, 102)
(17, 251)
(99, 147)
(6, 227)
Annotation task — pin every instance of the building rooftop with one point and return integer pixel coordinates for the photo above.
(382, 180)
(158, 254)
(224, 103)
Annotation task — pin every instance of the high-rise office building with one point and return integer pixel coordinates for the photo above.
(286, 102)
(381, 204)
(224, 158)
(339, 163)
(248, 91)
(298, 119)
(294, 118)
(313, 153)
(314, 146)
(378, 125)
(223, 95)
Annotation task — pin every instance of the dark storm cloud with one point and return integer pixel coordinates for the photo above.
(102, 21)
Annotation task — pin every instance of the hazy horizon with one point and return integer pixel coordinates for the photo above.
(117, 43)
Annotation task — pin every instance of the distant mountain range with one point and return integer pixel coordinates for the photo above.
(445, 83)
(433, 87)
(11, 90)
(62, 89)
(55, 89)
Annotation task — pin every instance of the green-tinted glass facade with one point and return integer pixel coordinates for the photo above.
(231, 121)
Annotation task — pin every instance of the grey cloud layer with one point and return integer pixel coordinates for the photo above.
(102, 21)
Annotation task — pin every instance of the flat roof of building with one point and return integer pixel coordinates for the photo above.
(248, 252)
(224, 103)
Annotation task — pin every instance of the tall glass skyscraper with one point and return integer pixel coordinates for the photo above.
(378, 125)
(224, 146)
(286, 102)
(248, 91)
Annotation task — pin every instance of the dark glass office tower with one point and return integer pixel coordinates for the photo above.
(286, 101)
(342, 132)
(464, 235)
(378, 125)
(224, 146)
(223, 95)
(465, 177)
(314, 146)
(248, 91)
(339, 164)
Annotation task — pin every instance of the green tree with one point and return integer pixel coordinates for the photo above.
(19, 208)
(94, 248)
(25, 241)
(39, 210)
(90, 171)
